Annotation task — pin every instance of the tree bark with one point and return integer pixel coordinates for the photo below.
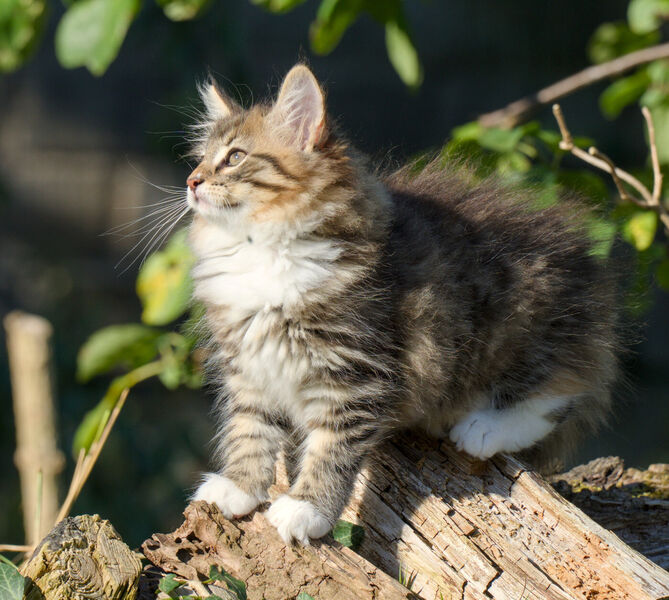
(450, 526)
(447, 526)
(251, 550)
(82, 557)
(631, 503)
(475, 530)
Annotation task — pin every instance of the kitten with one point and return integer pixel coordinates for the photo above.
(343, 306)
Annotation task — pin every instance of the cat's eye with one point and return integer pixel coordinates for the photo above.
(234, 157)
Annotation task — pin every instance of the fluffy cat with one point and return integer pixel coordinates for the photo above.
(343, 305)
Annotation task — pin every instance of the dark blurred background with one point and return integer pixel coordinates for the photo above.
(76, 153)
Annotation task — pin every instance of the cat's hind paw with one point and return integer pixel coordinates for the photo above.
(224, 493)
(297, 520)
(480, 434)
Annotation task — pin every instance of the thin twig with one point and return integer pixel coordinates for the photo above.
(655, 161)
(15, 548)
(646, 198)
(86, 461)
(518, 111)
(568, 145)
(592, 151)
(38, 507)
(72, 490)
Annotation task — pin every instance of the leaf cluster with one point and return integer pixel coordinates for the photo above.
(144, 350)
(171, 583)
(91, 32)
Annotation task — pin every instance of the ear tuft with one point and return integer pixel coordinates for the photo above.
(216, 102)
(299, 111)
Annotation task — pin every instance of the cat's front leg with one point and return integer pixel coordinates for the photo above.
(248, 447)
(330, 460)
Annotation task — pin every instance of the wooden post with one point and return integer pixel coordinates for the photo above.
(37, 457)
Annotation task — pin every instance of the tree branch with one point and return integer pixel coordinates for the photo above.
(646, 198)
(520, 110)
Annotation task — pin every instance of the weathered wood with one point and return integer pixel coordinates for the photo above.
(82, 558)
(457, 528)
(631, 503)
(251, 550)
(29, 349)
(472, 530)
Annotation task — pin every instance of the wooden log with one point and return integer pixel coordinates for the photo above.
(631, 503)
(449, 526)
(251, 550)
(37, 457)
(82, 557)
(472, 530)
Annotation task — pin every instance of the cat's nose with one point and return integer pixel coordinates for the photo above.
(194, 180)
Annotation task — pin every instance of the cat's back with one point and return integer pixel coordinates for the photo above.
(450, 223)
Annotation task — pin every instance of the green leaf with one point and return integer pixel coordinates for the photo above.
(647, 15)
(333, 18)
(602, 234)
(182, 10)
(612, 40)
(500, 140)
(585, 183)
(95, 419)
(403, 55)
(304, 596)
(91, 32)
(129, 345)
(623, 92)
(235, 585)
(164, 285)
(21, 26)
(168, 583)
(90, 427)
(639, 230)
(552, 139)
(468, 132)
(348, 534)
(278, 6)
(662, 274)
(12, 583)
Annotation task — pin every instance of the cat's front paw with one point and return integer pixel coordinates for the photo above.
(224, 493)
(297, 520)
(480, 434)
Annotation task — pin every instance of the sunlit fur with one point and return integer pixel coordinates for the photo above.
(342, 305)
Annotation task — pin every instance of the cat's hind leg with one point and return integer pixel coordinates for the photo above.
(484, 432)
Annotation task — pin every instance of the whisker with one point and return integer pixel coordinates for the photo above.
(163, 236)
(147, 227)
(174, 207)
(153, 232)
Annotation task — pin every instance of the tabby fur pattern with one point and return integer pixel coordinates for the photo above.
(343, 305)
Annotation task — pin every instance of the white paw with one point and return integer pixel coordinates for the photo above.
(481, 434)
(297, 520)
(224, 493)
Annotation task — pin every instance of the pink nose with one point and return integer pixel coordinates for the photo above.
(193, 181)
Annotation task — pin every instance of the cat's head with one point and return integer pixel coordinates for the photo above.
(268, 163)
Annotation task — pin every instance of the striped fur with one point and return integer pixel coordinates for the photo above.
(342, 306)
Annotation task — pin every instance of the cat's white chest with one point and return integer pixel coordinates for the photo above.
(260, 273)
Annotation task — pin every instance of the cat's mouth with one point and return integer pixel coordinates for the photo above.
(200, 201)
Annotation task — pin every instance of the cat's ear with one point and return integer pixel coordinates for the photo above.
(299, 110)
(216, 102)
